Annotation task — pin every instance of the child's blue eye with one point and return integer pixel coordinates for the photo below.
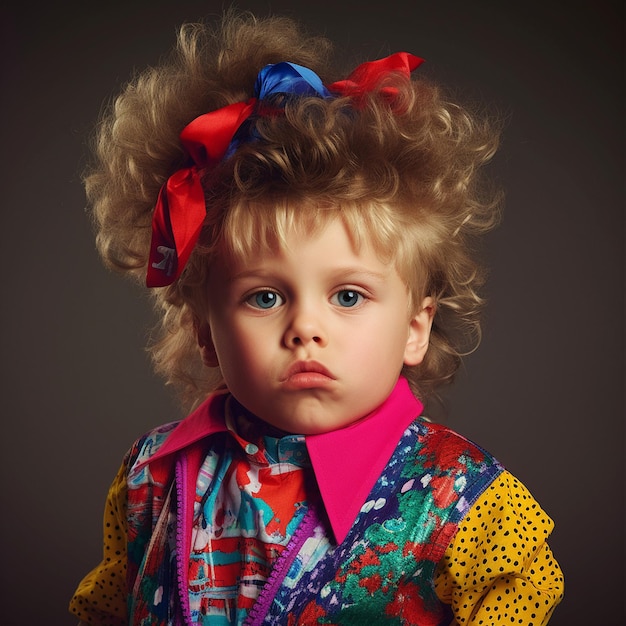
(265, 299)
(347, 298)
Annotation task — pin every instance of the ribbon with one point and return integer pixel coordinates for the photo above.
(368, 76)
(180, 208)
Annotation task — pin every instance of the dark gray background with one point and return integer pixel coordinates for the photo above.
(544, 392)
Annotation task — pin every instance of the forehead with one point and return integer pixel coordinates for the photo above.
(329, 250)
(280, 226)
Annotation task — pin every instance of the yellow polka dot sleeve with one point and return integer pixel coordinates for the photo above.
(499, 568)
(101, 596)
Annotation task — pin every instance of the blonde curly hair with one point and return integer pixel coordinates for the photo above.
(406, 178)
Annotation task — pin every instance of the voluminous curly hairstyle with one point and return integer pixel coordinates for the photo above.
(404, 177)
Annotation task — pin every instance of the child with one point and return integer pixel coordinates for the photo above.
(307, 237)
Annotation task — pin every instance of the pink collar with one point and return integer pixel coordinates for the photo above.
(346, 462)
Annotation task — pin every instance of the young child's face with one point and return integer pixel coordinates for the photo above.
(313, 337)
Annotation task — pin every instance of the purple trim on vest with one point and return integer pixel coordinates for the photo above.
(280, 568)
(183, 523)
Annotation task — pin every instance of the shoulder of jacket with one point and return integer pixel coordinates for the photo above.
(148, 445)
(448, 446)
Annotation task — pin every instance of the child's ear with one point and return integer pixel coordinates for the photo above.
(205, 343)
(419, 333)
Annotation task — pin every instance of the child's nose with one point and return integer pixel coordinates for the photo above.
(305, 328)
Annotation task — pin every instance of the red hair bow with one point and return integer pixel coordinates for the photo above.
(180, 209)
(368, 76)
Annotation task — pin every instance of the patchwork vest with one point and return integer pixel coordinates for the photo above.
(382, 573)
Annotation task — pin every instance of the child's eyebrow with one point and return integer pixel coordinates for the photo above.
(359, 273)
(252, 273)
(340, 274)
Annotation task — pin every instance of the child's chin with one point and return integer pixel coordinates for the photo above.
(312, 424)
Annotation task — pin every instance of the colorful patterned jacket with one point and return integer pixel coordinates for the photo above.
(370, 550)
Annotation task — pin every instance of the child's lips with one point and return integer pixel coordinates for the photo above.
(307, 375)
